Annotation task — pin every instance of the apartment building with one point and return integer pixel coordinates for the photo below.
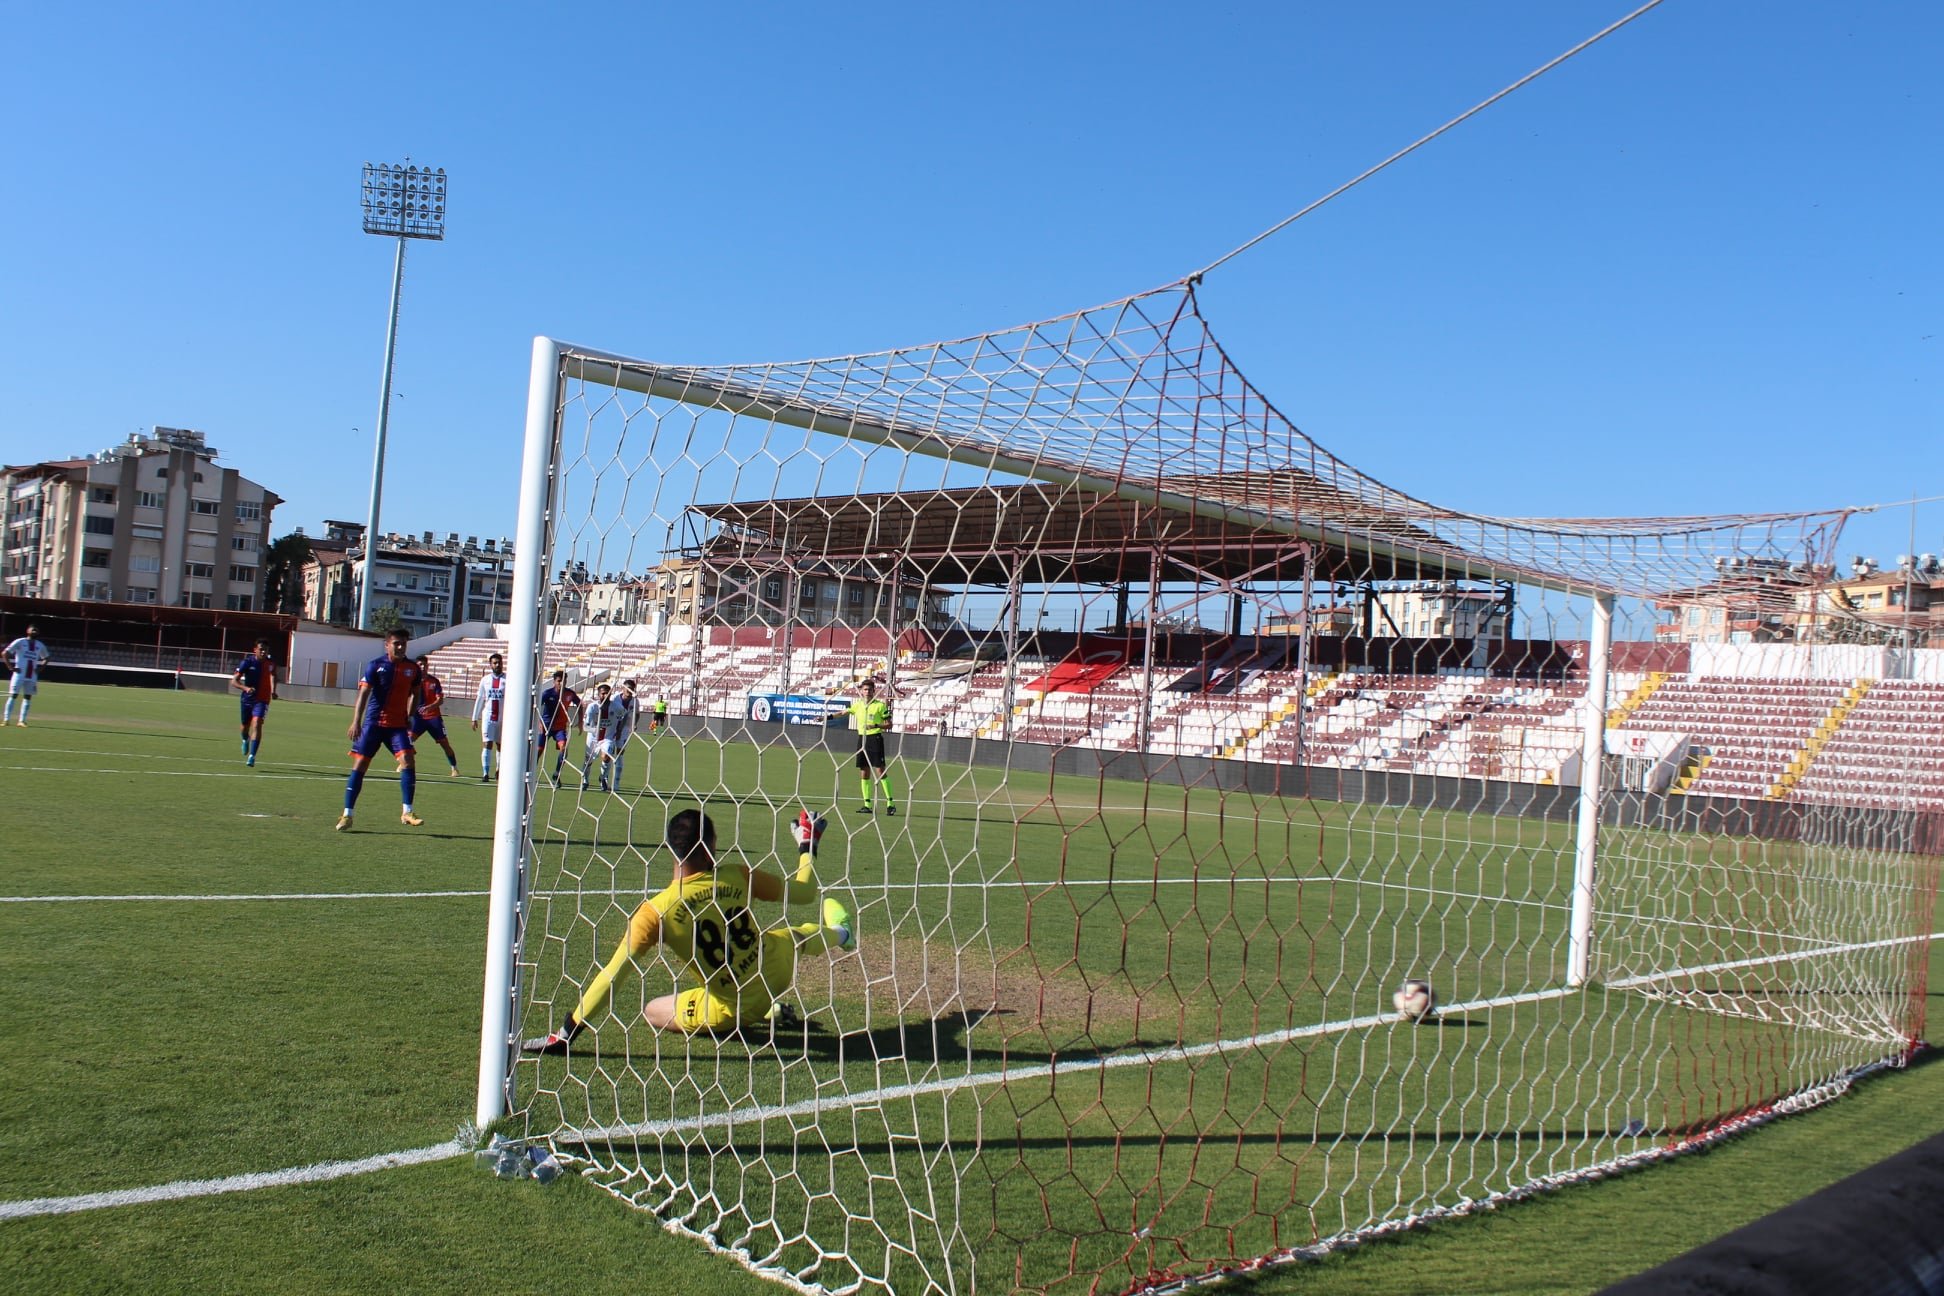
(153, 520)
(432, 583)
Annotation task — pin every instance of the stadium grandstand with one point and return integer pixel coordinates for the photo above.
(1835, 724)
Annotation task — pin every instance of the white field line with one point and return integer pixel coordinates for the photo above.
(199, 899)
(1735, 965)
(257, 775)
(1006, 884)
(1002, 885)
(184, 1189)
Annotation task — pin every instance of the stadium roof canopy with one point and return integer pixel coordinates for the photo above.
(1049, 533)
(58, 618)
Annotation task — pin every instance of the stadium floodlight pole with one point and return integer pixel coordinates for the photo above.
(525, 624)
(1579, 948)
(401, 202)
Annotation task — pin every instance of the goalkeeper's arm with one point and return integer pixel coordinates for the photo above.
(800, 887)
(644, 930)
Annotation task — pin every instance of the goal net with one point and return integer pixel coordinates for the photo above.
(1200, 743)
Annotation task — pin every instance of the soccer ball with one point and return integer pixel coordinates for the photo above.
(1415, 1001)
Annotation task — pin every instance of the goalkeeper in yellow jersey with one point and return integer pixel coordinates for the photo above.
(737, 969)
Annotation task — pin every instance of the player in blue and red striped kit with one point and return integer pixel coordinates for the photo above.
(431, 712)
(256, 680)
(388, 699)
(560, 715)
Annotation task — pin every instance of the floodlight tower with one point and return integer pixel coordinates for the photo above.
(401, 202)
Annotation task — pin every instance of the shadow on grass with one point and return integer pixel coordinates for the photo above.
(949, 1038)
(1177, 1142)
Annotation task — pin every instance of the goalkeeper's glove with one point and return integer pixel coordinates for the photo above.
(554, 1045)
(808, 830)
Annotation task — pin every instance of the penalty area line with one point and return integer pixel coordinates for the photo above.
(185, 1189)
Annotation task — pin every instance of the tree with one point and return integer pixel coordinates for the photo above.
(283, 573)
(385, 618)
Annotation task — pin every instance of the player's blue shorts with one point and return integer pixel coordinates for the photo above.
(434, 725)
(372, 737)
(251, 709)
(559, 737)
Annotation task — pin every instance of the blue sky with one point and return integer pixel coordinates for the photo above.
(1696, 269)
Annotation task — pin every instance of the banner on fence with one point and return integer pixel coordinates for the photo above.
(799, 708)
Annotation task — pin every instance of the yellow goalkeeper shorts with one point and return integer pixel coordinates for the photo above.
(702, 1010)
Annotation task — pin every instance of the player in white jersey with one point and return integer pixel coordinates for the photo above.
(26, 657)
(489, 713)
(629, 703)
(600, 719)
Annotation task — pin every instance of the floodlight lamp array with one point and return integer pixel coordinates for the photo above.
(404, 201)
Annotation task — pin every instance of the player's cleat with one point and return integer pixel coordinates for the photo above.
(411, 820)
(344, 822)
(604, 786)
(890, 809)
(864, 809)
(555, 778)
(838, 919)
(455, 771)
(484, 777)
(250, 759)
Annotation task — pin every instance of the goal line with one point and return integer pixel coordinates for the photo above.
(1147, 1057)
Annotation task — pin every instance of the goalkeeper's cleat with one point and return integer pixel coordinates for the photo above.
(554, 1044)
(783, 1017)
(838, 919)
(890, 809)
(344, 822)
(411, 820)
(863, 809)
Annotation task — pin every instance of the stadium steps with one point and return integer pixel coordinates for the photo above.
(1278, 712)
(575, 663)
(1690, 771)
(997, 725)
(1633, 701)
(1825, 730)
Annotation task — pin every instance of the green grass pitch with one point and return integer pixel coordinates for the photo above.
(268, 994)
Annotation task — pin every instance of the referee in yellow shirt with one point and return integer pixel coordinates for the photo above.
(871, 717)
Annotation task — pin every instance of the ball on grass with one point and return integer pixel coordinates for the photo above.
(1415, 1001)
